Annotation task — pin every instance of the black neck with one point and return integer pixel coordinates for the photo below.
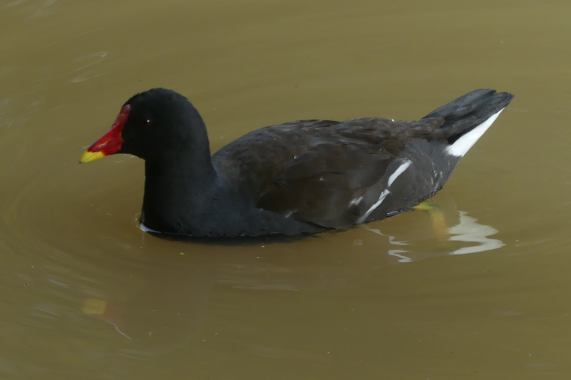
(178, 181)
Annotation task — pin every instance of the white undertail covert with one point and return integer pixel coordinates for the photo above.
(467, 141)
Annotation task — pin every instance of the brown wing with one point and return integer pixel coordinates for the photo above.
(324, 172)
(327, 185)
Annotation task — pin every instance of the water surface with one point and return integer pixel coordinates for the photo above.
(85, 295)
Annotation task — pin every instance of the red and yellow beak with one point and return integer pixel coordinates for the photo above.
(109, 143)
(88, 156)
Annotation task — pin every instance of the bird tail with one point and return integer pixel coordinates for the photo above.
(468, 117)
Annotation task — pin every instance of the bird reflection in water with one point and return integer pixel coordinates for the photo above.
(467, 230)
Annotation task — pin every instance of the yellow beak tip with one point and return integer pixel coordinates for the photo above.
(88, 156)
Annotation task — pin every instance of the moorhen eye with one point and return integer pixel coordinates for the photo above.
(295, 178)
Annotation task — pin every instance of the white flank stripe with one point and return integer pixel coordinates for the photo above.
(355, 201)
(464, 143)
(374, 206)
(144, 228)
(399, 171)
(384, 193)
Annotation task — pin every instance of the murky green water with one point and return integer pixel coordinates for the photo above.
(85, 295)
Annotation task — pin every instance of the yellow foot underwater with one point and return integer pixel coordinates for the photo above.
(438, 221)
(94, 306)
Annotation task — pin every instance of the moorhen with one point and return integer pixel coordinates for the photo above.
(294, 178)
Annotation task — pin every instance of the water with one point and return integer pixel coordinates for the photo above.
(482, 293)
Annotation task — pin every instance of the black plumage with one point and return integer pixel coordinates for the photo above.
(294, 178)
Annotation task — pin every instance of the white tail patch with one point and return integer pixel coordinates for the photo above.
(467, 141)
